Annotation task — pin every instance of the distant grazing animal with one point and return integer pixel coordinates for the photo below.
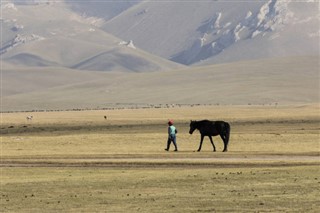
(212, 128)
(29, 118)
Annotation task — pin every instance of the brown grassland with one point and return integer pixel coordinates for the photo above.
(77, 161)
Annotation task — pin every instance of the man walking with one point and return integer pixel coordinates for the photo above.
(172, 131)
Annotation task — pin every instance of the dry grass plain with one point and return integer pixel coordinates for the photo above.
(77, 161)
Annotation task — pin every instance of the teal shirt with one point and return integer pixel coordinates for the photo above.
(172, 130)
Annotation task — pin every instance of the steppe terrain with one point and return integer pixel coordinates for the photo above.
(291, 80)
(78, 161)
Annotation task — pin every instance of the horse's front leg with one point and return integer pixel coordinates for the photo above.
(214, 148)
(201, 140)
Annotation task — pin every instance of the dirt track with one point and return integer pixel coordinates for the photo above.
(169, 161)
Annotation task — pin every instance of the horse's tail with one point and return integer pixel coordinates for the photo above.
(227, 135)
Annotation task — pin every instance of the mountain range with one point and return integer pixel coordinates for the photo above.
(89, 54)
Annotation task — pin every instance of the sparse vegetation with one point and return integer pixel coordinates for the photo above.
(77, 161)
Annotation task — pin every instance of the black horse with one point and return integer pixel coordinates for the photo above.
(212, 128)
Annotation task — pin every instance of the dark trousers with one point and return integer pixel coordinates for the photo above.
(172, 138)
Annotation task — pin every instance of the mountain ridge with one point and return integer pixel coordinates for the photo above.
(189, 33)
(216, 27)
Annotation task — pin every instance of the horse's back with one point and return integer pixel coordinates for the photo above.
(221, 123)
(213, 124)
(217, 127)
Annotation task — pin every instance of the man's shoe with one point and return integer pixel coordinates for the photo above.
(166, 149)
(175, 150)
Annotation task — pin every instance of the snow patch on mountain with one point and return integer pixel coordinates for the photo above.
(128, 44)
(9, 6)
(17, 27)
(20, 39)
(272, 16)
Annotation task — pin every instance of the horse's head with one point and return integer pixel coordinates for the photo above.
(193, 126)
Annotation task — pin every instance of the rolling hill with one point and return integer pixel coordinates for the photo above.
(50, 35)
(283, 81)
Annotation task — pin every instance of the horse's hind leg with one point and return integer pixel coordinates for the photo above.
(225, 142)
(226, 136)
(214, 147)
